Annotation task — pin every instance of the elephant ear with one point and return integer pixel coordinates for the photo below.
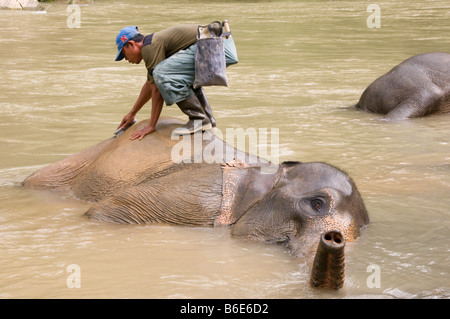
(244, 186)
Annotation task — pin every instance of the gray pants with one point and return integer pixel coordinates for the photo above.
(175, 76)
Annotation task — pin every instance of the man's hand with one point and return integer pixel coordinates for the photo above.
(141, 133)
(126, 121)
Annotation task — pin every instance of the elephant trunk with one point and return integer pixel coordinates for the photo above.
(328, 270)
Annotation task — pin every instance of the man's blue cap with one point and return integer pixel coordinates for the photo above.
(125, 35)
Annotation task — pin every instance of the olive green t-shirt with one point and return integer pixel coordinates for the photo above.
(167, 42)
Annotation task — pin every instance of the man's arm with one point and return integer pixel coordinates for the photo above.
(157, 105)
(144, 97)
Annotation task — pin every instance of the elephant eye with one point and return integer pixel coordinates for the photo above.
(317, 203)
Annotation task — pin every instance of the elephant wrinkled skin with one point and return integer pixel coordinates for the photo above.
(138, 182)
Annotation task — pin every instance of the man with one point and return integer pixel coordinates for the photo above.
(176, 47)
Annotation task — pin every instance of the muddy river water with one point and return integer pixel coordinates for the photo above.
(301, 63)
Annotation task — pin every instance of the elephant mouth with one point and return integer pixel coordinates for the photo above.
(328, 269)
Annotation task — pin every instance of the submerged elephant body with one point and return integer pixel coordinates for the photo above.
(417, 87)
(139, 182)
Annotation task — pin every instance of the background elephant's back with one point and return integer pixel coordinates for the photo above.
(413, 79)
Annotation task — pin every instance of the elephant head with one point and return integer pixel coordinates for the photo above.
(303, 200)
(298, 205)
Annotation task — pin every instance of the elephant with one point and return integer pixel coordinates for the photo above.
(417, 87)
(295, 204)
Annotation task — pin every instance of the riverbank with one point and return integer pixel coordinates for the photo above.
(20, 5)
(35, 4)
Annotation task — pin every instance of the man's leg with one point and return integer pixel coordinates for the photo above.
(198, 120)
(174, 77)
(200, 93)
